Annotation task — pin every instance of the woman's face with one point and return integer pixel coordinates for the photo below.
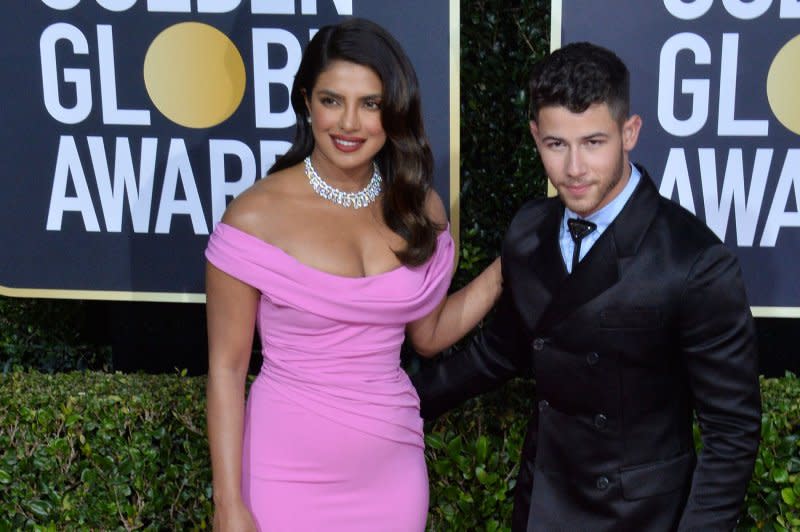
(345, 109)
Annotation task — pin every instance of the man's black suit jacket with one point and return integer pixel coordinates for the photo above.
(652, 327)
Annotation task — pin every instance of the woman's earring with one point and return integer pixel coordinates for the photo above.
(308, 119)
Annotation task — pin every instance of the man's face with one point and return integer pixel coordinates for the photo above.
(585, 154)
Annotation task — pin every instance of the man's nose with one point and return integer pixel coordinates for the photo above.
(575, 163)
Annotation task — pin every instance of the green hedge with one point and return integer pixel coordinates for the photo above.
(773, 497)
(90, 450)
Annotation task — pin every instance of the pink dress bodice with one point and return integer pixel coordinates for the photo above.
(331, 343)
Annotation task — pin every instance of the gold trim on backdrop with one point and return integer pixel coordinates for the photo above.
(555, 24)
(455, 124)
(776, 312)
(555, 44)
(105, 295)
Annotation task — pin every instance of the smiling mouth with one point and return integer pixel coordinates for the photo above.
(347, 145)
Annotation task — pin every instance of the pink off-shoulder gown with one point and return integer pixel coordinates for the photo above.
(333, 438)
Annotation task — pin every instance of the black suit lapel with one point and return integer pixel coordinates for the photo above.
(530, 273)
(601, 268)
(549, 272)
(635, 218)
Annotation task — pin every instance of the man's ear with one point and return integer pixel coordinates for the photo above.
(630, 132)
(534, 130)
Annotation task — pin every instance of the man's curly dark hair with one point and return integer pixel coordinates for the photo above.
(577, 76)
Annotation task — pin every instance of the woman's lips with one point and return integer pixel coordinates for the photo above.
(347, 144)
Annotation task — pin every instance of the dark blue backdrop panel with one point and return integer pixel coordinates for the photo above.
(727, 167)
(69, 256)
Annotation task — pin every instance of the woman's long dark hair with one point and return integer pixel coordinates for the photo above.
(405, 161)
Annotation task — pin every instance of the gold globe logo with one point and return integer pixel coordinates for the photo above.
(194, 75)
(783, 85)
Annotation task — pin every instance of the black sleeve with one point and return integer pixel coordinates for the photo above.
(718, 342)
(494, 355)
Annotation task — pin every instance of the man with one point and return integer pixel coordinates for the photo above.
(632, 318)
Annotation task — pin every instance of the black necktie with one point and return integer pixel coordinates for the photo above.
(578, 229)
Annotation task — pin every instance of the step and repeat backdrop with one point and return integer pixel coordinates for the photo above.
(717, 83)
(128, 125)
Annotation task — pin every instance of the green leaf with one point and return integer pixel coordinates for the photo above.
(769, 461)
(756, 512)
(455, 447)
(434, 441)
(39, 507)
(481, 449)
(442, 467)
(788, 496)
(780, 475)
(481, 475)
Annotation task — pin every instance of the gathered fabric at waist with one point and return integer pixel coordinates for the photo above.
(367, 390)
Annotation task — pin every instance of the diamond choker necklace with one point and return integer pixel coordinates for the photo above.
(354, 200)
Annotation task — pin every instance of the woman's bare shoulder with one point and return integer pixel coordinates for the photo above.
(258, 208)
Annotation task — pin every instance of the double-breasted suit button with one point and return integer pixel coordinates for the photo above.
(543, 404)
(600, 421)
(592, 358)
(538, 344)
(602, 483)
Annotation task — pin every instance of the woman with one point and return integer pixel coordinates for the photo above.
(334, 257)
